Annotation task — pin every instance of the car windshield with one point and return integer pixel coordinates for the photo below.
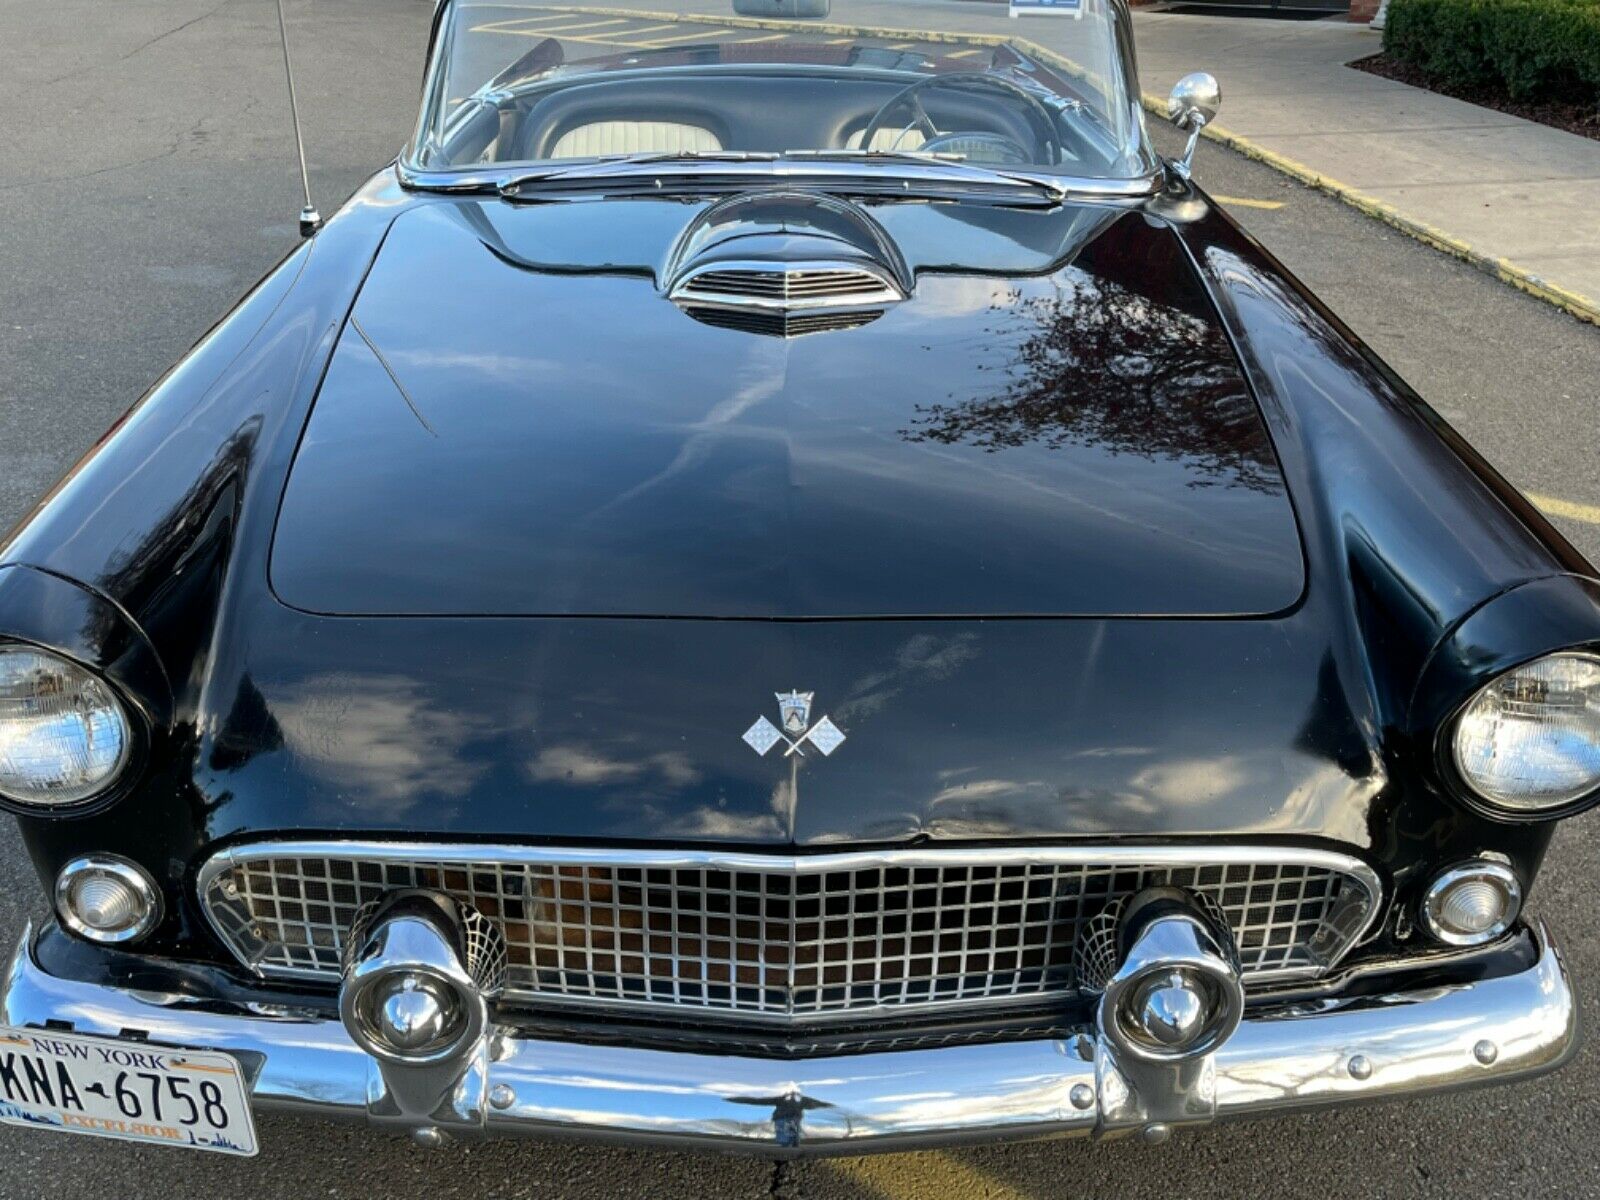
(520, 88)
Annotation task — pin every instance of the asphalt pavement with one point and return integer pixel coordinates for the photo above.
(148, 179)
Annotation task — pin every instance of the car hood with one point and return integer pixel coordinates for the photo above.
(574, 730)
(518, 422)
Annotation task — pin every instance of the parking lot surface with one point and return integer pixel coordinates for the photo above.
(149, 179)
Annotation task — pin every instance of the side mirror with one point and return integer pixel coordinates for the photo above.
(801, 9)
(1192, 106)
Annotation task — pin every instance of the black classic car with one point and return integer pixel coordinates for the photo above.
(784, 585)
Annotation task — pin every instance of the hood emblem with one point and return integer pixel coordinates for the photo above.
(794, 710)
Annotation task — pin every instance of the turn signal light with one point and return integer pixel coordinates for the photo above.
(1471, 904)
(107, 899)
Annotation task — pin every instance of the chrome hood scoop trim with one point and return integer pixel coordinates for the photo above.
(786, 263)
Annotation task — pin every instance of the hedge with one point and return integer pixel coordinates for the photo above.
(1529, 49)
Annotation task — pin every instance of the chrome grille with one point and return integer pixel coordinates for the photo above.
(789, 284)
(798, 938)
(785, 288)
(779, 324)
(742, 283)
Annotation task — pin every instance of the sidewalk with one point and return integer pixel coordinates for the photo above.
(1521, 199)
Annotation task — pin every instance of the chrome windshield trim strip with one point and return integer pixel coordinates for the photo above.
(780, 170)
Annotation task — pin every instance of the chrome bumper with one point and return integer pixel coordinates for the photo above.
(1386, 1047)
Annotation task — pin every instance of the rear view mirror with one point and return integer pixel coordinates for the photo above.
(803, 9)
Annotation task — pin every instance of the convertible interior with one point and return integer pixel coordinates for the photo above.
(982, 117)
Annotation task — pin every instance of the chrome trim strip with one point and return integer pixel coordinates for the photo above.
(1118, 855)
(796, 171)
(1399, 1045)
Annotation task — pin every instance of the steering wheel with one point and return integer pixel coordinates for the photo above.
(993, 148)
(912, 95)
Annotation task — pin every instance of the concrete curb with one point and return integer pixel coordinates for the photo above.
(1581, 307)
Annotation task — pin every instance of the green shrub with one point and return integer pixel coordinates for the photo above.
(1531, 49)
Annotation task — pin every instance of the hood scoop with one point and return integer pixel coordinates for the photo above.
(785, 264)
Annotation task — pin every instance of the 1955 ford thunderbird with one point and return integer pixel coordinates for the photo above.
(783, 585)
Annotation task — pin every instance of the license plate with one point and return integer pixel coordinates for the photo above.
(128, 1090)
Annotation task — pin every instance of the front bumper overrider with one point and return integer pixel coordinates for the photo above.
(1300, 1057)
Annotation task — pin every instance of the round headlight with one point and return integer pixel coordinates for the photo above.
(63, 736)
(1530, 741)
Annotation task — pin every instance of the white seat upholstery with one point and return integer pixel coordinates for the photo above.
(890, 137)
(633, 137)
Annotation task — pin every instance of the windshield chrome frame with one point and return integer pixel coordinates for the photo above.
(790, 171)
(781, 169)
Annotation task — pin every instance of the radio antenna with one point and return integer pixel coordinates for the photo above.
(310, 218)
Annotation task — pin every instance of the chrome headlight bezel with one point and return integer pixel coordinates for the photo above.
(135, 733)
(1459, 780)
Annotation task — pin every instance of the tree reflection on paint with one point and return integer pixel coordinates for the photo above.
(1096, 364)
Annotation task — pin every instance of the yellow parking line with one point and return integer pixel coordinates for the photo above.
(1241, 202)
(565, 37)
(498, 26)
(963, 53)
(613, 37)
(647, 29)
(812, 29)
(562, 19)
(544, 30)
(506, 25)
(564, 34)
(771, 37)
(915, 1176)
(656, 43)
(1589, 514)
(551, 30)
(548, 31)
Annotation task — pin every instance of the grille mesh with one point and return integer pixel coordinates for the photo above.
(790, 941)
(780, 324)
(789, 284)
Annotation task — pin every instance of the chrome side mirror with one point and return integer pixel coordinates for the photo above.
(1193, 105)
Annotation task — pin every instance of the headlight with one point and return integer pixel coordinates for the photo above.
(63, 736)
(1530, 741)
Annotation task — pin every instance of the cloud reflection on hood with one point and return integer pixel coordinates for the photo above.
(381, 739)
